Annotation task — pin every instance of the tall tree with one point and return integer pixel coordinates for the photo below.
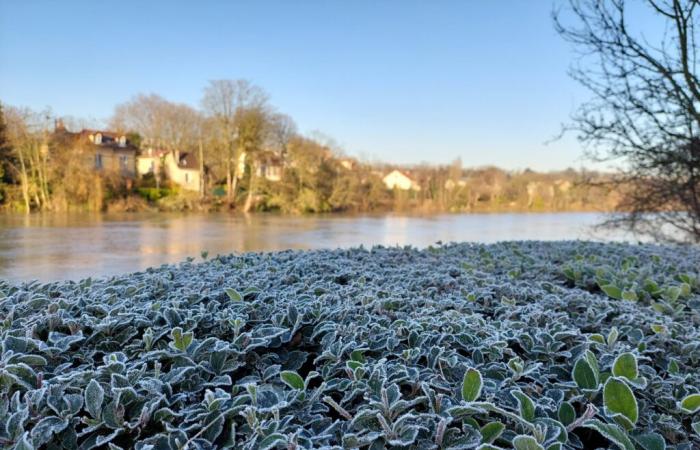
(5, 149)
(160, 122)
(253, 129)
(224, 101)
(644, 112)
(27, 159)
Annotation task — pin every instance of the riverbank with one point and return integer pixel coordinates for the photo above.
(508, 344)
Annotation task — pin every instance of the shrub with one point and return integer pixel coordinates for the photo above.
(153, 194)
(453, 347)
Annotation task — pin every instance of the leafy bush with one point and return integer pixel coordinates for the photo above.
(453, 347)
(153, 194)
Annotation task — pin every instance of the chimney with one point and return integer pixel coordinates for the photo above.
(58, 125)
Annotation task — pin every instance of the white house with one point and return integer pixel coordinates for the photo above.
(399, 180)
(180, 168)
(268, 166)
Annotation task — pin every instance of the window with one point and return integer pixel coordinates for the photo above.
(124, 162)
(187, 178)
(98, 138)
(98, 161)
(122, 141)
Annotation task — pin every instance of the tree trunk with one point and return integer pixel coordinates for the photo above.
(24, 180)
(251, 189)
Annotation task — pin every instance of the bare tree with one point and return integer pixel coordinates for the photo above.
(282, 130)
(224, 101)
(644, 114)
(159, 121)
(27, 133)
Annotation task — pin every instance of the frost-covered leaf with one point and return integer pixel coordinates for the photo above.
(524, 442)
(620, 401)
(471, 385)
(690, 404)
(94, 396)
(292, 379)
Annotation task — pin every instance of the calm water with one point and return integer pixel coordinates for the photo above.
(74, 246)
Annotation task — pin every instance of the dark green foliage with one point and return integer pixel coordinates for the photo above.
(443, 348)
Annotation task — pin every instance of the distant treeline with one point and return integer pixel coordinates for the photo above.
(249, 158)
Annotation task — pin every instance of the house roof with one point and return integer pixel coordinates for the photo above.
(403, 173)
(188, 161)
(109, 138)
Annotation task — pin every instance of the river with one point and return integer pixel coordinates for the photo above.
(50, 247)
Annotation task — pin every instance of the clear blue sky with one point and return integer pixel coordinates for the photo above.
(398, 81)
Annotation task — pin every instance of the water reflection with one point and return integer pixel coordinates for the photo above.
(72, 246)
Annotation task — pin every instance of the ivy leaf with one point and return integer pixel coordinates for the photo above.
(292, 379)
(619, 401)
(690, 404)
(625, 366)
(524, 442)
(471, 385)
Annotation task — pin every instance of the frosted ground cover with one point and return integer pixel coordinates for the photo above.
(526, 345)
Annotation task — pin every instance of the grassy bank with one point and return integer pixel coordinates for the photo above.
(516, 345)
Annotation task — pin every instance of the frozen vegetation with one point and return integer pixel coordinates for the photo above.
(524, 345)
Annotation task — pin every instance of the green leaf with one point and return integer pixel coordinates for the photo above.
(629, 295)
(585, 374)
(611, 432)
(650, 441)
(292, 379)
(233, 294)
(672, 293)
(619, 400)
(673, 368)
(491, 431)
(525, 404)
(597, 337)
(471, 385)
(94, 396)
(625, 365)
(566, 413)
(524, 442)
(690, 404)
(612, 291)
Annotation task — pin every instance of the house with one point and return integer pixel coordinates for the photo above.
(180, 168)
(269, 165)
(106, 151)
(452, 184)
(348, 163)
(399, 180)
